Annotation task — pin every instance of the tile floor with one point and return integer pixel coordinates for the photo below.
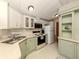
(48, 52)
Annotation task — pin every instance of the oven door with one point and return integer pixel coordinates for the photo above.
(41, 40)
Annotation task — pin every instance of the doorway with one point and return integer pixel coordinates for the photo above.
(56, 29)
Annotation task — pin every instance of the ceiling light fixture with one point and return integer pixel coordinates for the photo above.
(56, 15)
(31, 8)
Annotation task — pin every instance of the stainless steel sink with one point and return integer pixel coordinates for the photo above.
(14, 40)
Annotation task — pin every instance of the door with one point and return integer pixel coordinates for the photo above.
(23, 49)
(57, 31)
(3, 15)
(32, 22)
(26, 22)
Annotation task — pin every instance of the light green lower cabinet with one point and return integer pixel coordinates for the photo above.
(31, 44)
(77, 51)
(23, 48)
(67, 49)
(27, 46)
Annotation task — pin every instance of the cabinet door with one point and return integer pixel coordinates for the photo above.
(26, 22)
(76, 25)
(31, 44)
(32, 22)
(23, 49)
(15, 18)
(19, 20)
(77, 51)
(3, 15)
(67, 49)
(12, 18)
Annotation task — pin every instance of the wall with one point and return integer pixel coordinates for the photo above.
(3, 33)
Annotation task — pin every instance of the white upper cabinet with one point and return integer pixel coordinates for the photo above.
(3, 15)
(28, 22)
(9, 17)
(15, 18)
(12, 18)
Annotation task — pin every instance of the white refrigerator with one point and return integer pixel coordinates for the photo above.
(49, 31)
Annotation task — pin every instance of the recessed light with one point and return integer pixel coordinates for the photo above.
(56, 15)
(30, 7)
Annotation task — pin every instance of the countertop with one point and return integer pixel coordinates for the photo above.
(12, 51)
(8, 51)
(69, 39)
(27, 37)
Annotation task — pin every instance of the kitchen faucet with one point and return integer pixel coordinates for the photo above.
(13, 36)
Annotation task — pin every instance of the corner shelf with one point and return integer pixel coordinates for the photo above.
(66, 24)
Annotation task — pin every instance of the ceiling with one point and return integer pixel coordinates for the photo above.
(45, 9)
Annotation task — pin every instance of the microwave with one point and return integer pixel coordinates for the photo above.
(38, 25)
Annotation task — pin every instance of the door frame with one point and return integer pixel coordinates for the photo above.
(56, 20)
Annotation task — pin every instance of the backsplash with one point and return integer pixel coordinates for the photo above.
(4, 33)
